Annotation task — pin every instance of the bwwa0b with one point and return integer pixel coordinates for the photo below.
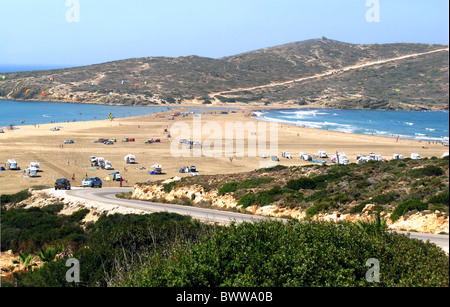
(245, 296)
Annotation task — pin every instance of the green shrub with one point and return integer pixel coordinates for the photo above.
(14, 198)
(442, 198)
(384, 199)
(228, 188)
(295, 254)
(169, 186)
(247, 200)
(429, 170)
(301, 183)
(407, 206)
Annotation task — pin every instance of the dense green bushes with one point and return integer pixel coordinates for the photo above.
(29, 229)
(409, 205)
(273, 254)
(165, 249)
(14, 198)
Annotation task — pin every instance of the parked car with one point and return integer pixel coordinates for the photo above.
(108, 143)
(92, 182)
(62, 183)
(69, 142)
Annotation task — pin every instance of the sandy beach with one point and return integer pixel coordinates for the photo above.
(39, 143)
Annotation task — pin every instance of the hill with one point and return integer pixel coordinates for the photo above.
(398, 189)
(260, 77)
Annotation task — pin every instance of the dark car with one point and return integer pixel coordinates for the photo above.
(92, 182)
(62, 183)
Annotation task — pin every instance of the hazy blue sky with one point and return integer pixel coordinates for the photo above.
(37, 32)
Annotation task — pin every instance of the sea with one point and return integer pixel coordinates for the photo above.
(19, 113)
(430, 126)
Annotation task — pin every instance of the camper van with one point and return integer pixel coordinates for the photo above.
(33, 171)
(35, 165)
(286, 155)
(397, 157)
(323, 154)
(12, 164)
(339, 158)
(415, 156)
(108, 165)
(130, 159)
(101, 162)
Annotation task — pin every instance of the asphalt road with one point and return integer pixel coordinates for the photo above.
(108, 196)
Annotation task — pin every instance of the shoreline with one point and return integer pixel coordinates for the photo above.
(59, 160)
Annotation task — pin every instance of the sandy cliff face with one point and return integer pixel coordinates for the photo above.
(425, 221)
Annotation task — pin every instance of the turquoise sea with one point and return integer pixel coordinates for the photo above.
(20, 113)
(424, 125)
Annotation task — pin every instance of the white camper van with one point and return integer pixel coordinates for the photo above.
(108, 165)
(130, 159)
(397, 157)
(12, 164)
(323, 154)
(415, 156)
(35, 165)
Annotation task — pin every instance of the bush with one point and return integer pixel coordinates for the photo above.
(29, 229)
(384, 199)
(301, 183)
(228, 187)
(14, 198)
(407, 206)
(169, 187)
(429, 170)
(442, 198)
(295, 254)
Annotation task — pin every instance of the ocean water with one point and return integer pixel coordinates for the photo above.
(423, 125)
(34, 113)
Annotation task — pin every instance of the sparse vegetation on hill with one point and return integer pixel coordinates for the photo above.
(395, 187)
(422, 81)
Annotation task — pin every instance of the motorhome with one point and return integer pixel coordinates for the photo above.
(286, 155)
(306, 157)
(339, 158)
(108, 165)
(12, 164)
(130, 159)
(415, 156)
(323, 154)
(397, 157)
(35, 165)
(33, 171)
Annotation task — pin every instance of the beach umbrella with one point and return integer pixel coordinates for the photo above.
(43, 94)
(3, 78)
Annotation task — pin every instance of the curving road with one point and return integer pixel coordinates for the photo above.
(108, 196)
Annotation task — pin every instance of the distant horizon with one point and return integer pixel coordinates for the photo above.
(12, 68)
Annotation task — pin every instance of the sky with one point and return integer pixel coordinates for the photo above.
(67, 33)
